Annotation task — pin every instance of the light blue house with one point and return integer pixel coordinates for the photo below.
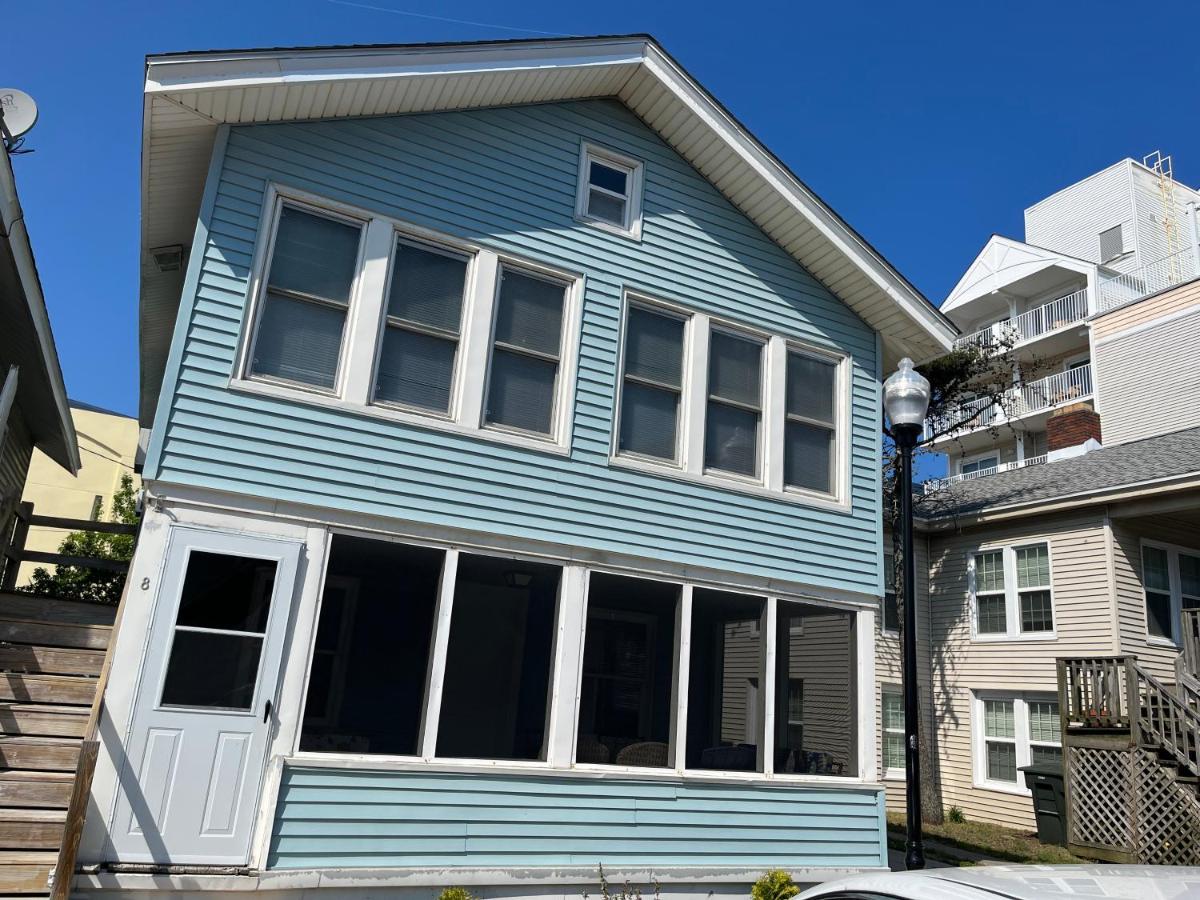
(513, 495)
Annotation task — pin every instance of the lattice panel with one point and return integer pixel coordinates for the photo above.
(1168, 816)
(1101, 811)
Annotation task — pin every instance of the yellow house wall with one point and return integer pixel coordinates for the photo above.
(107, 446)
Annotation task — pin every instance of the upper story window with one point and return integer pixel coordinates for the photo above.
(704, 399)
(1011, 596)
(309, 283)
(891, 607)
(526, 351)
(609, 193)
(422, 326)
(400, 322)
(1112, 243)
(979, 465)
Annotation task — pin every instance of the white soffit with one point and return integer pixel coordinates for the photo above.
(189, 95)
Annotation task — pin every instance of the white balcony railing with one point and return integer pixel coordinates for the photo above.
(1017, 403)
(1148, 279)
(1031, 324)
(936, 484)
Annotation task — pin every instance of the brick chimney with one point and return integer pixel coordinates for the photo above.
(1072, 426)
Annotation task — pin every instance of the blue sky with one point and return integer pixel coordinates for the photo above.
(928, 126)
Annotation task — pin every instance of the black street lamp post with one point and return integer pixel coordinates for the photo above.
(906, 401)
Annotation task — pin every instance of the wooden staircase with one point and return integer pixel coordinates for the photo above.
(52, 657)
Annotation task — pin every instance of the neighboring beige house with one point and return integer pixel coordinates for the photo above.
(107, 446)
(1072, 527)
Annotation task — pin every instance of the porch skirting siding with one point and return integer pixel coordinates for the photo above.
(338, 818)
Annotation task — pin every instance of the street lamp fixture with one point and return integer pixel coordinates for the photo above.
(906, 401)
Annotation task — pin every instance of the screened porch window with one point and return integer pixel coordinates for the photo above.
(298, 338)
(366, 685)
(626, 693)
(526, 350)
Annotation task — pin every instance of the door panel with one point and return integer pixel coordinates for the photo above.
(201, 722)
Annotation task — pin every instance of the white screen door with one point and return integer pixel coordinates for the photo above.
(196, 752)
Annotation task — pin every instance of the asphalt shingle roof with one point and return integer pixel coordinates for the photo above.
(1105, 469)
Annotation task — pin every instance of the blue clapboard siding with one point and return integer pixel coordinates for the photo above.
(506, 178)
(335, 817)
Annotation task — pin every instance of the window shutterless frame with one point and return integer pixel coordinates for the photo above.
(633, 169)
(363, 332)
(689, 464)
(765, 390)
(633, 300)
(1020, 739)
(1178, 598)
(565, 361)
(390, 321)
(1011, 593)
(272, 213)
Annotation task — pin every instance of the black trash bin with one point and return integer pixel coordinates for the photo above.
(1049, 802)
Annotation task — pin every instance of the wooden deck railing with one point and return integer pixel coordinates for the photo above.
(1115, 692)
(1191, 642)
(15, 553)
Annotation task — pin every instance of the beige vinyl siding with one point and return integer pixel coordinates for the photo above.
(1147, 372)
(822, 658)
(1083, 619)
(889, 670)
(742, 667)
(15, 454)
(1157, 658)
(1147, 310)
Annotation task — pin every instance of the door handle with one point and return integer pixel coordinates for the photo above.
(267, 710)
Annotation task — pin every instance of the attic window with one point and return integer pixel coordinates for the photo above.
(609, 191)
(1112, 243)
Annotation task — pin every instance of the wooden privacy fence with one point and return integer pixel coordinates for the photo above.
(16, 553)
(1131, 761)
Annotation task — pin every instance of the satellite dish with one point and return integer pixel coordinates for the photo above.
(19, 112)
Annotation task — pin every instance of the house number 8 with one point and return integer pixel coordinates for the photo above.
(145, 584)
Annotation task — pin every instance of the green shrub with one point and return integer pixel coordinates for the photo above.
(955, 816)
(456, 893)
(775, 885)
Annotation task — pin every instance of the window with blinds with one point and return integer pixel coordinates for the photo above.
(811, 426)
(1033, 588)
(990, 614)
(652, 383)
(526, 350)
(734, 411)
(310, 277)
(893, 732)
(422, 326)
(1012, 593)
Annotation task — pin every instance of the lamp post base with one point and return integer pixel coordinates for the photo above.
(914, 855)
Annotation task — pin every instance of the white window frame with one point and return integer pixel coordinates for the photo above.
(892, 774)
(265, 253)
(1175, 578)
(689, 462)
(634, 169)
(565, 679)
(366, 320)
(1020, 701)
(1012, 594)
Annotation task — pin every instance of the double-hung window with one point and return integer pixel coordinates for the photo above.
(725, 403)
(893, 733)
(298, 336)
(1011, 731)
(1171, 580)
(419, 347)
(526, 352)
(810, 432)
(990, 604)
(652, 383)
(1011, 592)
(891, 606)
(395, 321)
(609, 191)
(734, 414)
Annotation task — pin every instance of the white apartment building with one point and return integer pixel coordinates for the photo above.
(1121, 234)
